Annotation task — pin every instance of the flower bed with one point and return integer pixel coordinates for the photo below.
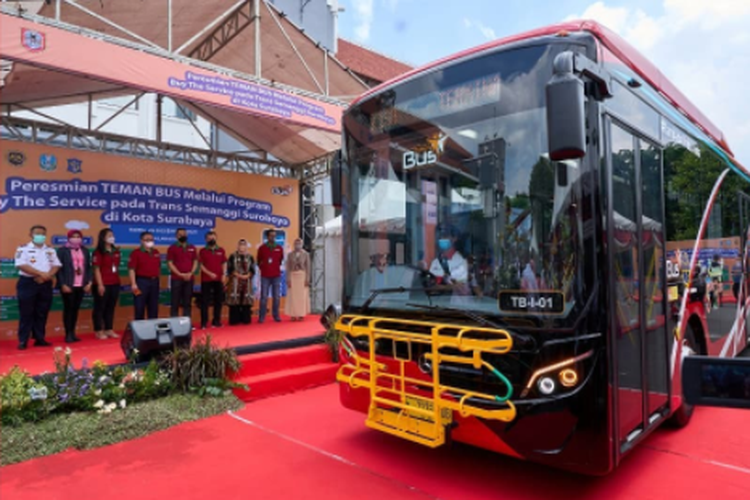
(203, 370)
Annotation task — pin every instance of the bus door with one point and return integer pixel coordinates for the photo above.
(638, 301)
(744, 256)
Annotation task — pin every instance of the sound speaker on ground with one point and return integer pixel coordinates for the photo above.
(154, 337)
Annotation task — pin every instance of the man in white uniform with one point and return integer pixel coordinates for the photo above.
(37, 265)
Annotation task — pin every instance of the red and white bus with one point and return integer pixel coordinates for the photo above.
(536, 232)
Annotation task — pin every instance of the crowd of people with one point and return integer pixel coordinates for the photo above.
(75, 270)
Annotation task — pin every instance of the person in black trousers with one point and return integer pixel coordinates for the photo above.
(106, 265)
(182, 259)
(73, 280)
(213, 261)
(144, 268)
(37, 265)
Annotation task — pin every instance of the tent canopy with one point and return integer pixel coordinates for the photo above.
(54, 63)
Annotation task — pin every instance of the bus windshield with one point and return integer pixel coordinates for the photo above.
(453, 201)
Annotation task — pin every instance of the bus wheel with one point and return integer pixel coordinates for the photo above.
(684, 413)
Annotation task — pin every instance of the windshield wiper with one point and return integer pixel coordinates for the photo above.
(399, 289)
(524, 340)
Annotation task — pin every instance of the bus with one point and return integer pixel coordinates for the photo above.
(536, 232)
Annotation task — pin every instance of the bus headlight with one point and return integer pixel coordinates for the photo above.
(556, 370)
(568, 377)
(546, 385)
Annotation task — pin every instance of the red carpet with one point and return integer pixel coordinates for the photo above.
(305, 446)
(36, 360)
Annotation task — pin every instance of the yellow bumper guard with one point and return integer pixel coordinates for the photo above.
(415, 417)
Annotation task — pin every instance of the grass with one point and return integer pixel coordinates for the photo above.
(84, 431)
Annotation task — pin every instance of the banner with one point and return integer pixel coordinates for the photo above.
(54, 48)
(65, 189)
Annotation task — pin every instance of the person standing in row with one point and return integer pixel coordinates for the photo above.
(213, 261)
(144, 267)
(37, 265)
(106, 264)
(182, 259)
(298, 282)
(241, 270)
(270, 256)
(73, 280)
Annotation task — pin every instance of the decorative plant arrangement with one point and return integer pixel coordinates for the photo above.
(39, 415)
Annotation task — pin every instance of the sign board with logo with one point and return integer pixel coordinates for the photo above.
(71, 189)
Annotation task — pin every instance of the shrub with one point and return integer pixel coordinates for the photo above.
(22, 399)
(202, 364)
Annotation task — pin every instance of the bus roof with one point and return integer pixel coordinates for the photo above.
(612, 41)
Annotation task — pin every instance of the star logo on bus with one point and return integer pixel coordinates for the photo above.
(437, 142)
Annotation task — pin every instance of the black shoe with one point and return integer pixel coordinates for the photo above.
(70, 340)
(203, 327)
(216, 325)
(277, 320)
(42, 343)
(22, 346)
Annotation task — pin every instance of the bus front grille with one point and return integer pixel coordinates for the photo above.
(421, 408)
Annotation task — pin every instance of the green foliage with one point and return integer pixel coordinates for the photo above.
(83, 431)
(190, 368)
(332, 336)
(202, 369)
(691, 178)
(217, 387)
(21, 398)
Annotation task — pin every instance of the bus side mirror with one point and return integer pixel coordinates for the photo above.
(337, 180)
(719, 382)
(566, 118)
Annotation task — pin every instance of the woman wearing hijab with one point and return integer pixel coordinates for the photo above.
(239, 294)
(73, 280)
(298, 282)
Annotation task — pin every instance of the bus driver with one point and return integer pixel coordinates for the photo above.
(449, 266)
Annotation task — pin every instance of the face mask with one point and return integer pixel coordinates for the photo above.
(148, 244)
(182, 239)
(39, 239)
(444, 244)
(211, 243)
(111, 240)
(75, 242)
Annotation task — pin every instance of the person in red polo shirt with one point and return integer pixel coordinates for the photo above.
(144, 266)
(213, 260)
(270, 256)
(106, 262)
(182, 259)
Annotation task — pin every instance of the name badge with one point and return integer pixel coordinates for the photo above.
(270, 261)
(114, 269)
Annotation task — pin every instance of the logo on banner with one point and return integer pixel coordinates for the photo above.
(33, 40)
(16, 158)
(282, 190)
(75, 166)
(48, 163)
